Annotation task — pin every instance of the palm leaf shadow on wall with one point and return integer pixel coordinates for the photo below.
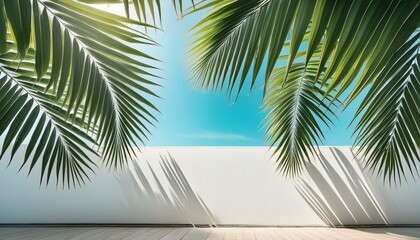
(341, 201)
(150, 200)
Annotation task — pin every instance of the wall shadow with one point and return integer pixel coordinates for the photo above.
(162, 194)
(341, 195)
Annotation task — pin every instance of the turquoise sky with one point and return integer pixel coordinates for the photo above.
(192, 118)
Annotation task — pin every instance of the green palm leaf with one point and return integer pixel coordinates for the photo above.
(337, 39)
(371, 34)
(19, 15)
(389, 129)
(55, 143)
(90, 86)
(3, 28)
(150, 11)
(235, 38)
(146, 10)
(295, 106)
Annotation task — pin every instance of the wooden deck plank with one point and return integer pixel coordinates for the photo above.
(136, 233)
(197, 234)
(82, 234)
(229, 233)
(217, 234)
(310, 233)
(274, 235)
(76, 233)
(330, 234)
(124, 233)
(176, 234)
(143, 233)
(284, 233)
(249, 234)
(48, 234)
(159, 234)
(106, 233)
(412, 232)
(239, 234)
(10, 231)
(21, 235)
(373, 233)
(262, 234)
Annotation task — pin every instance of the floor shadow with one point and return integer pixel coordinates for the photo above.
(402, 232)
(340, 196)
(162, 194)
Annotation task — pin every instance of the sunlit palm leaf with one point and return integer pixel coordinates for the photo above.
(115, 74)
(241, 37)
(145, 7)
(235, 38)
(55, 143)
(150, 11)
(389, 128)
(97, 85)
(147, 11)
(187, 7)
(295, 106)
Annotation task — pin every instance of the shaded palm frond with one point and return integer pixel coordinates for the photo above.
(84, 66)
(3, 28)
(372, 32)
(389, 129)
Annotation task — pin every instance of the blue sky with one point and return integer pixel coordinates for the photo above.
(193, 118)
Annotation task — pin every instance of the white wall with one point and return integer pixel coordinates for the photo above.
(213, 185)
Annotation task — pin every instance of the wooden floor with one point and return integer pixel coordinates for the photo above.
(149, 233)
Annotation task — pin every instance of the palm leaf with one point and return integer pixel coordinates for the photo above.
(54, 142)
(96, 88)
(3, 29)
(388, 130)
(184, 8)
(371, 34)
(19, 15)
(147, 11)
(295, 106)
(338, 40)
(235, 38)
(150, 11)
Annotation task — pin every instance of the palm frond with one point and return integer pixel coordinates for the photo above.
(372, 32)
(114, 73)
(3, 28)
(241, 37)
(54, 142)
(143, 8)
(85, 70)
(19, 14)
(389, 130)
(235, 38)
(184, 8)
(147, 11)
(150, 11)
(296, 107)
